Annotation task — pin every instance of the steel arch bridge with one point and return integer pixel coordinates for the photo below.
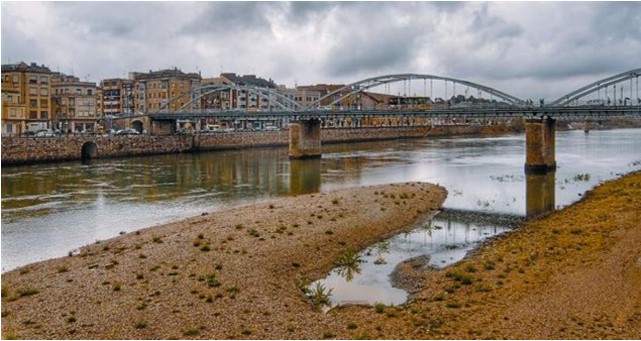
(368, 83)
(597, 86)
(199, 92)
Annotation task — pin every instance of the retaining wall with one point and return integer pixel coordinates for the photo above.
(25, 150)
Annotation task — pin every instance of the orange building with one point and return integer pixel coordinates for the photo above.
(164, 90)
(30, 86)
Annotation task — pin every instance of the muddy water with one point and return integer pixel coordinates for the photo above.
(51, 209)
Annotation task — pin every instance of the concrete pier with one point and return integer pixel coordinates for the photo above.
(304, 176)
(304, 139)
(540, 193)
(540, 145)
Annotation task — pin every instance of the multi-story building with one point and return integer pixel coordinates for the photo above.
(164, 90)
(305, 96)
(117, 97)
(288, 93)
(75, 105)
(323, 90)
(220, 100)
(31, 84)
(249, 100)
(13, 112)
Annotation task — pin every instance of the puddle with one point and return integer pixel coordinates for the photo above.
(442, 241)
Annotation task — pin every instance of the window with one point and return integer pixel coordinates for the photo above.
(89, 92)
(44, 80)
(44, 91)
(15, 78)
(33, 102)
(33, 115)
(33, 90)
(44, 103)
(12, 112)
(33, 79)
(44, 114)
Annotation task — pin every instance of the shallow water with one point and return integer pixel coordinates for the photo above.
(444, 240)
(51, 209)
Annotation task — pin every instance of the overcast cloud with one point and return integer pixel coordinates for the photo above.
(530, 50)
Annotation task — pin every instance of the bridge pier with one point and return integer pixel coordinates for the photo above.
(540, 145)
(539, 193)
(304, 139)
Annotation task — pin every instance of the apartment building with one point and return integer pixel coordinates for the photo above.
(13, 112)
(164, 90)
(323, 90)
(75, 104)
(305, 96)
(29, 85)
(217, 100)
(117, 98)
(249, 100)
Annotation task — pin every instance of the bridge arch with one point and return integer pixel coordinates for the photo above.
(137, 125)
(368, 83)
(88, 151)
(597, 86)
(202, 91)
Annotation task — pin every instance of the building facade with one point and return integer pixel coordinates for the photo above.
(75, 105)
(31, 85)
(117, 98)
(164, 90)
(13, 112)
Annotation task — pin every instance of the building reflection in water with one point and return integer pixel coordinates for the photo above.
(305, 176)
(539, 193)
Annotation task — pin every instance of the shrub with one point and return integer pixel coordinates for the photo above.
(380, 308)
(319, 295)
(489, 265)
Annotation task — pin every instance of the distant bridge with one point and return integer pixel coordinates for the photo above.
(305, 122)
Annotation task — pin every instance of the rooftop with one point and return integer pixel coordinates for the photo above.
(22, 66)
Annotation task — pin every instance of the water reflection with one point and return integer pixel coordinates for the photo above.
(439, 242)
(50, 209)
(305, 176)
(539, 193)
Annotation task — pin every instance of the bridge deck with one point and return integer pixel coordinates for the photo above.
(561, 113)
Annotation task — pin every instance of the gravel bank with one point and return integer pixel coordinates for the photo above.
(230, 274)
(573, 274)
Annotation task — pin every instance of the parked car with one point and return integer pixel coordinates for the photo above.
(127, 132)
(45, 133)
(184, 132)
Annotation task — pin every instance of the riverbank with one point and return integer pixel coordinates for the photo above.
(574, 274)
(236, 273)
(31, 150)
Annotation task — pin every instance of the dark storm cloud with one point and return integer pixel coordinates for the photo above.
(504, 43)
(490, 27)
(301, 11)
(231, 18)
(374, 38)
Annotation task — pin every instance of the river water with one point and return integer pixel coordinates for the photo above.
(51, 209)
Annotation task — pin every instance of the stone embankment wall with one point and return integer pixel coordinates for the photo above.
(25, 150)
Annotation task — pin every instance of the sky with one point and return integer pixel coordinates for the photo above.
(527, 49)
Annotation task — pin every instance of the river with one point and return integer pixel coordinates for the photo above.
(49, 210)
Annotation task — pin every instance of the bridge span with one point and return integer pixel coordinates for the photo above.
(305, 121)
